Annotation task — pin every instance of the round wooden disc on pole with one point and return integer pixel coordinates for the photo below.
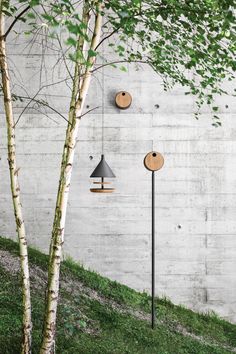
(123, 99)
(153, 161)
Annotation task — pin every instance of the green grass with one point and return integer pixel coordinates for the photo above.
(105, 323)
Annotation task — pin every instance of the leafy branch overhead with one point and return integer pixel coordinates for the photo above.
(191, 42)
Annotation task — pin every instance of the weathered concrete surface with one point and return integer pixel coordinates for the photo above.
(196, 189)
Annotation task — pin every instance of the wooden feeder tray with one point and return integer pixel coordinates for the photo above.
(102, 189)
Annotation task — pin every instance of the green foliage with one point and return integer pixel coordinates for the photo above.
(8, 8)
(191, 43)
(72, 319)
(187, 42)
(92, 53)
(89, 324)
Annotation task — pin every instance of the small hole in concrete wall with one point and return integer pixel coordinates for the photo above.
(87, 106)
(154, 154)
(90, 157)
(157, 106)
(123, 93)
(179, 227)
(226, 106)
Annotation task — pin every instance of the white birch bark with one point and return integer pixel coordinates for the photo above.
(15, 190)
(80, 89)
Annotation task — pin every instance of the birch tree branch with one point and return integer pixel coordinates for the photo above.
(14, 22)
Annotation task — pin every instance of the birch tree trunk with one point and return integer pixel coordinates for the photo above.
(15, 190)
(80, 88)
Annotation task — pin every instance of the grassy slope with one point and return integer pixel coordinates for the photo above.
(97, 315)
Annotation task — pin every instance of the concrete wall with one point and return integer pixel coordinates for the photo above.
(195, 191)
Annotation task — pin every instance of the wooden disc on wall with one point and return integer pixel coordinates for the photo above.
(153, 161)
(123, 99)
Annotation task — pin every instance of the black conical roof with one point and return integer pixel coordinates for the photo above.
(103, 169)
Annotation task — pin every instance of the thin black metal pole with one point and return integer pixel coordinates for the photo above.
(153, 249)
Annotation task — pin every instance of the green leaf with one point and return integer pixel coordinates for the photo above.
(92, 53)
(47, 17)
(123, 68)
(71, 42)
(72, 57)
(31, 15)
(33, 3)
(82, 324)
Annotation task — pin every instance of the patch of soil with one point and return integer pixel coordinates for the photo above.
(9, 262)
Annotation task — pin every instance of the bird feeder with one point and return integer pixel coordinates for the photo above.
(102, 171)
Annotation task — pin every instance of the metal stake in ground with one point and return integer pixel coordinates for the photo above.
(153, 161)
